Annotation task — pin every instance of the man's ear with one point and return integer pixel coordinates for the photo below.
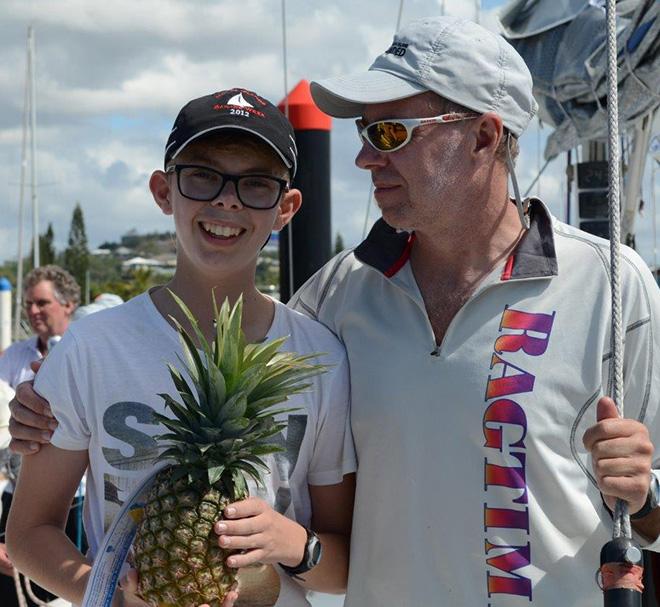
(159, 184)
(489, 131)
(70, 308)
(287, 208)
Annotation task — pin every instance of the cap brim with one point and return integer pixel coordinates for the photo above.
(237, 127)
(346, 96)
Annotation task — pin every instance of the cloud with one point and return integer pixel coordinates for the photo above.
(112, 76)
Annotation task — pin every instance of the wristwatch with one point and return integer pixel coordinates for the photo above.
(652, 500)
(311, 556)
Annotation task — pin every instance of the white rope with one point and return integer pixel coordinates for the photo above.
(398, 19)
(19, 589)
(365, 226)
(621, 517)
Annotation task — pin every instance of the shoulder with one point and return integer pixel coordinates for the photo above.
(580, 247)
(589, 257)
(336, 275)
(115, 319)
(577, 247)
(307, 335)
(18, 348)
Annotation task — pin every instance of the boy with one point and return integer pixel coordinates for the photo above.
(229, 162)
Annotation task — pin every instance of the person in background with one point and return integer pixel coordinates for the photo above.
(101, 302)
(50, 297)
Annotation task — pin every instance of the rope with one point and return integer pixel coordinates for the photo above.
(371, 187)
(538, 176)
(621, 517)
(20, 595)
(19, 589)
(398, 19)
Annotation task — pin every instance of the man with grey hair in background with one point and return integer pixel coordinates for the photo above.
(50, 297)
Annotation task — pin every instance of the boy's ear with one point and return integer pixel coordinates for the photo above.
(288, 208)
(159, 184)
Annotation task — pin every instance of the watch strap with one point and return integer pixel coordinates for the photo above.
(652, 499)
(311, 556)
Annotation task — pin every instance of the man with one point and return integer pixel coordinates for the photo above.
(50, 297)
(478, 347)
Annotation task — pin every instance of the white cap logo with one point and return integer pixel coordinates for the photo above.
(239, 100)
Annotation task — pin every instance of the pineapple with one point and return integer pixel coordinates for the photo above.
(217, 439)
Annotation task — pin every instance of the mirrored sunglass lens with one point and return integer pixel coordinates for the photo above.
(259, 192)
(387, 135)
(200, 183)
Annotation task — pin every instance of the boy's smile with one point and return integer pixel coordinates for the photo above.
(220, 232)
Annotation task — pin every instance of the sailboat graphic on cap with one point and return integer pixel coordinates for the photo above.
(239, 100)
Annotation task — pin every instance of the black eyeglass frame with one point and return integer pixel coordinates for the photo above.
(177, 168)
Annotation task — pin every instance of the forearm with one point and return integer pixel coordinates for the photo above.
(48, 557)
(331, 574)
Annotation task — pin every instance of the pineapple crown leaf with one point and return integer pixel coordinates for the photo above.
(186, 416)
(215, 474)
(224, 417)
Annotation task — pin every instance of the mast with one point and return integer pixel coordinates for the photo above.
(21, 198)
(33, 146)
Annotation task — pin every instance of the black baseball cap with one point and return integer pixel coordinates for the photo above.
(237, 109)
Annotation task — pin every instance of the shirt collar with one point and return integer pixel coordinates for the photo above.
(387, 249)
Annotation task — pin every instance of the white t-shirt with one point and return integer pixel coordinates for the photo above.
(15, 361)
(14, 369)
(474, 487)
(103, 380)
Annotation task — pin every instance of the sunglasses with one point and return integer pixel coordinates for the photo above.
(392, 134)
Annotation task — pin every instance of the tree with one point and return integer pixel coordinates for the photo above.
(76, 255)
(47, 247)
(46, 250)
(339, 243)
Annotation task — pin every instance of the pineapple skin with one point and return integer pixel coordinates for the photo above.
(177, 556)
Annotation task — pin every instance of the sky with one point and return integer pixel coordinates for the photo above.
(111, 77)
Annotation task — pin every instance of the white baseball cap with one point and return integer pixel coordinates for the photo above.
(455, 58)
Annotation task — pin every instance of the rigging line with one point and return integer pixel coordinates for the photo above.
(21, 208)
(366, 215)
(371, 187)
(398, 19)
(655, 217)
(538, 176)
(33, 146)
(539, 126)
(289, 227)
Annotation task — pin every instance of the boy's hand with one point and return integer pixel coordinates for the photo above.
(32, 422)
(263, 535)
(622, 452)
(126, 596)
(6, 567)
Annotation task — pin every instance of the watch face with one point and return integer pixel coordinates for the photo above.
(654, 490)
(315, 551)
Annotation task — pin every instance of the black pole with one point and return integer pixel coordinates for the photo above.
(625, 551)
(306, 244)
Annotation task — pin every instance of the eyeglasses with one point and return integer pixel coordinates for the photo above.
(40, 303)
(392, 134)
(203, 183)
